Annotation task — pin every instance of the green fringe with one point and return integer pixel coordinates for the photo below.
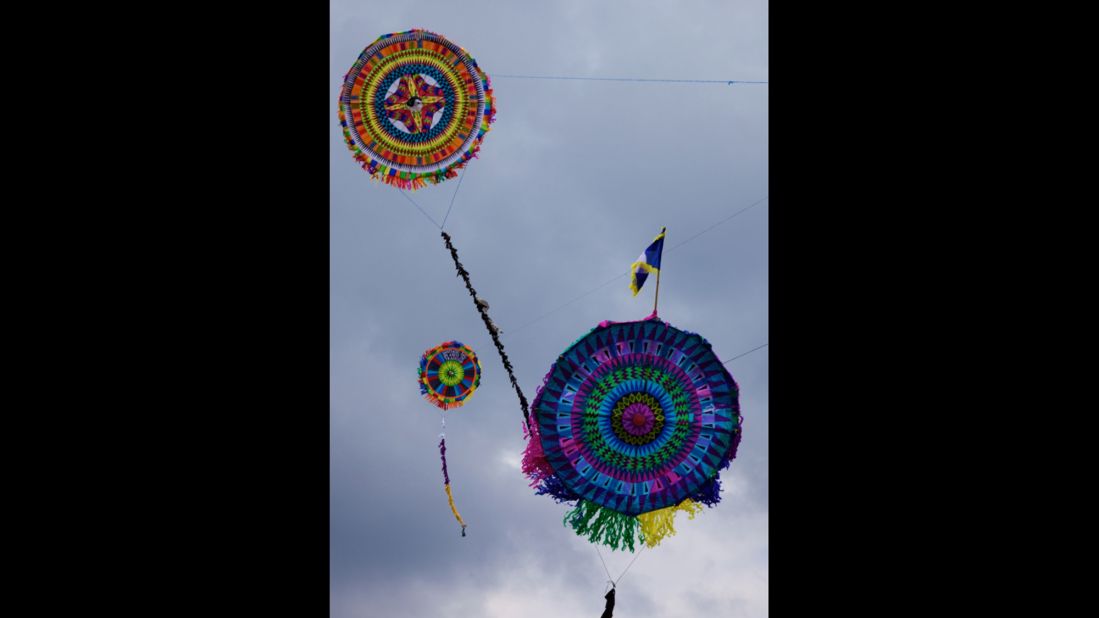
(602, 525)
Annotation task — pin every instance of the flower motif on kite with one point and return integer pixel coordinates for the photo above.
(633, 423)
(413, 101)
(449, 373)
(415, 108)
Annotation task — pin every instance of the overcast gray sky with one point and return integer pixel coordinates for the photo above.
(573, 181)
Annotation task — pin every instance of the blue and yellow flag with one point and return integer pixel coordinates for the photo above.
(647, 263)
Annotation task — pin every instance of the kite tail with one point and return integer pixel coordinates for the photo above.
(446, 485)
(492, 330)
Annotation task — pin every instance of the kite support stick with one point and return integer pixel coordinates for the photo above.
(656, 299)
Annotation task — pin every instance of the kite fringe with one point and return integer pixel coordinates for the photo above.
(436, 401)
(445, 405)
(659, 524)
(554, 488)
(535, 466)
(602, 525)
(710, 493)
(409, 181)
(616, 530)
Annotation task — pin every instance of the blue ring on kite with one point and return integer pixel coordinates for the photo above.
(621, 390)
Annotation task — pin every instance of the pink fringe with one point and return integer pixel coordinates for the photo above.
(535, 466)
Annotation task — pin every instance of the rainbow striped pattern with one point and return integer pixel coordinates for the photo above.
(415, 108)
(449, 373)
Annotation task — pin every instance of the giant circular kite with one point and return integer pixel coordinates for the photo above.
(415, 108)
(449, 374)
(633, 419)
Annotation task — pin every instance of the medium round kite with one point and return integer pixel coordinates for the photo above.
(633, 422)
(449, 373)
(415, 108)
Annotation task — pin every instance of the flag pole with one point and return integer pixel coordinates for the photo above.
(656, 299)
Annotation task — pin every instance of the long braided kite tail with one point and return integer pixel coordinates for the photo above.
(464, 274)
(446, 486)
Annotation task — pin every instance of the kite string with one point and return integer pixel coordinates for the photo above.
(493, 331)
(422, 211)
(614, 582)
(745, 354)
(630, 565)
(454, 195)
(752, 205)
(617, 277)
(729, 82)
(600, 554)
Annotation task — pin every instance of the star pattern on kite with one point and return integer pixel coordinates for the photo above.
(413, 101)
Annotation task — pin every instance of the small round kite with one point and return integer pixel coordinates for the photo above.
(449, 374)
(415, 108)
(634, 422)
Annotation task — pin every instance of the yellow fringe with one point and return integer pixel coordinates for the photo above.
(454, 509)
(655, 525)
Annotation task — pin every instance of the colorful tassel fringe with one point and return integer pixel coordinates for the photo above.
(412, 181)
(659, 524)
(602, 525)
(619, 531)
(710, 492)
(534, 465)
(537, 469)
(439, 402)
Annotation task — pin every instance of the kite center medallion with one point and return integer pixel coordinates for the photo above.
(414, 103)
(637, 418)
(451, 373)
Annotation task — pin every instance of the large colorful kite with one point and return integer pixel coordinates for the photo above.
(415, 108)
(633, 422)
